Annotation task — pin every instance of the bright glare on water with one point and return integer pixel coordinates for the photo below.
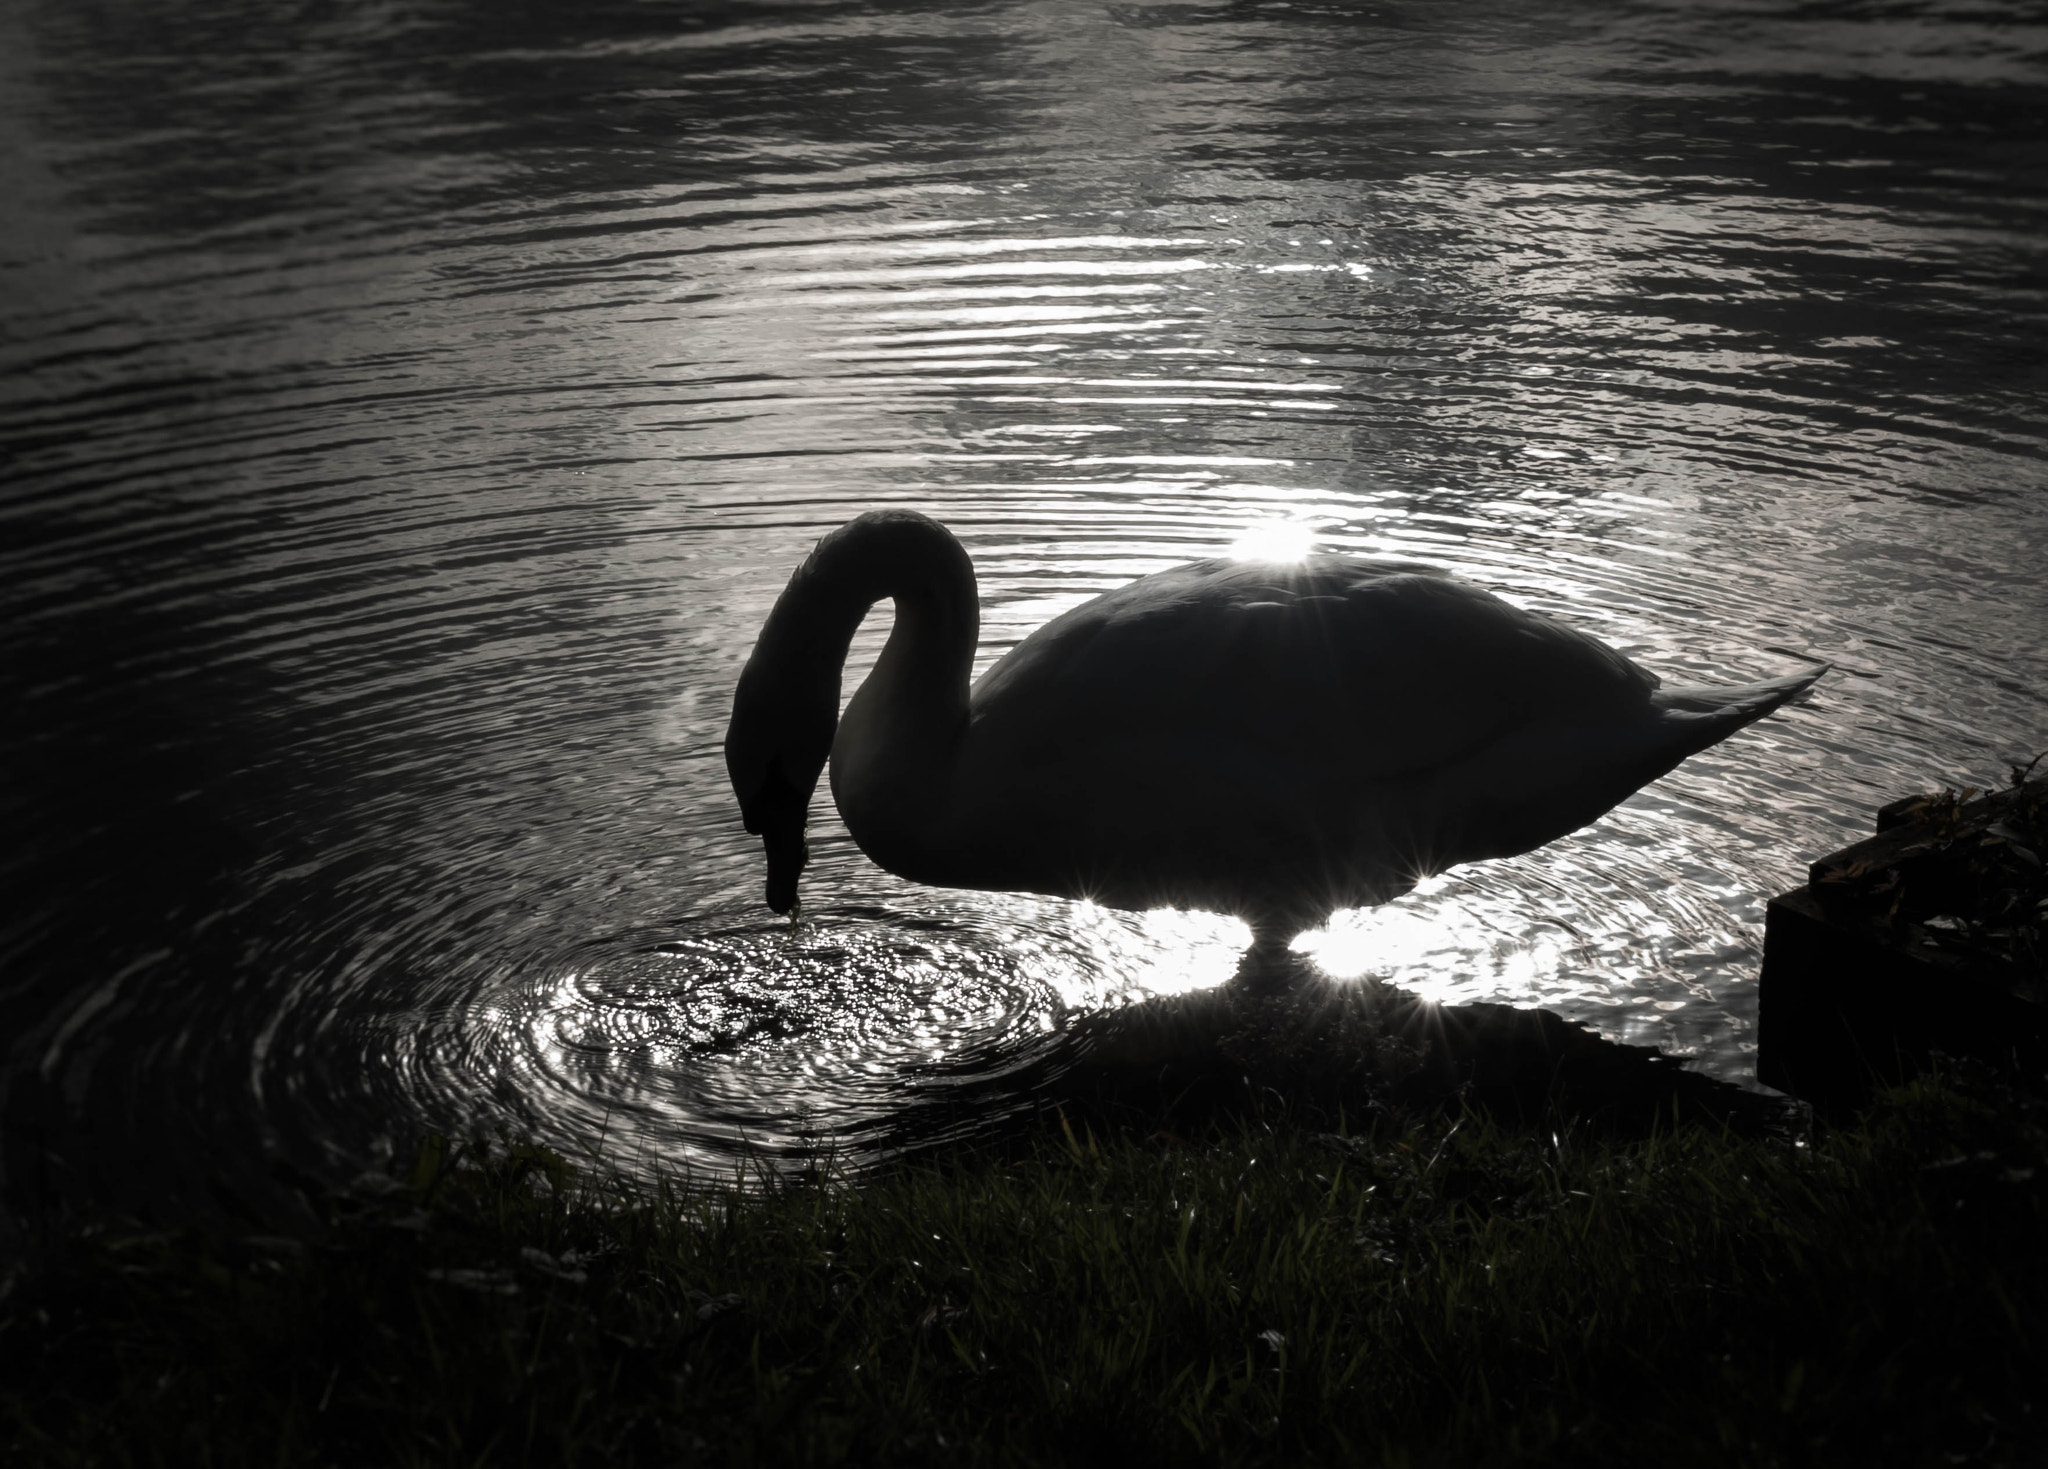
(412, 413)
(1273, 540)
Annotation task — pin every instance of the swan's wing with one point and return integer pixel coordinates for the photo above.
(1381, 671)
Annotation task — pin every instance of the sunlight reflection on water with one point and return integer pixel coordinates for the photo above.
(1273, 540)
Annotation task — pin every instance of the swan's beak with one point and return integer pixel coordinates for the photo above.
(788, 855)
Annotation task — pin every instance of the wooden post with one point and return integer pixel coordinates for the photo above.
(1858, 992)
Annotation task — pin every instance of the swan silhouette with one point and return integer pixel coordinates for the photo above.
(1274, 741)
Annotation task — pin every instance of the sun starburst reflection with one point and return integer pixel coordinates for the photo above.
(1401, 943)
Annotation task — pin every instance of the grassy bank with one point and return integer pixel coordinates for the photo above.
(1439, 1290)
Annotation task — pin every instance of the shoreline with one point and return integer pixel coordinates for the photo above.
(1443, 1286)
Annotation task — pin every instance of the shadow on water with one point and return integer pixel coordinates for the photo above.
(1322, 1053)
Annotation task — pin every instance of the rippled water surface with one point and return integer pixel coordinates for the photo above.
(411, 412)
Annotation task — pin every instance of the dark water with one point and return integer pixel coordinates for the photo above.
(412, 410)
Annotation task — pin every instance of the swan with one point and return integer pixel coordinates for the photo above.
(1270, 740)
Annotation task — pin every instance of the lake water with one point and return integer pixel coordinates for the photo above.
(411, 412)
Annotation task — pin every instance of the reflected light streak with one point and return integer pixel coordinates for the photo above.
(892, 275)
(958, 333)
(1008, 245)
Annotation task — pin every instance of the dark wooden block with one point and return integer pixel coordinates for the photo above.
(1857, 990)
(1845, 1006)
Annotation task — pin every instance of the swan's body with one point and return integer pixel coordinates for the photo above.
(1275, 741)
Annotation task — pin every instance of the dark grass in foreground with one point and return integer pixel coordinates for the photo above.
(1440, 1291)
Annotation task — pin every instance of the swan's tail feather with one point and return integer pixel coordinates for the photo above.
(1696, 716)
(1555, 777)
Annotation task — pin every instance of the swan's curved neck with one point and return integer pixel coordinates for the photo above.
(903, 557)
(893, 752)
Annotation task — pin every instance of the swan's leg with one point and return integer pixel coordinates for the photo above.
(1269, 963)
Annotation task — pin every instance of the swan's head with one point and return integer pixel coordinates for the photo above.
(780, 735)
